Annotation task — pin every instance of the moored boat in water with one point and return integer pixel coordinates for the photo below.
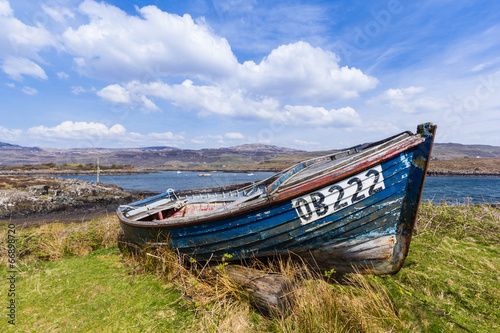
(350, 211)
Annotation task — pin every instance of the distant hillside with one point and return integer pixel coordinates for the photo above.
(157, 148)
(449, 151)
(468, 166)
(8, 146)
(161, 157)
(247, 156)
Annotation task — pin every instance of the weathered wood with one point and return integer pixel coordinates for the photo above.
(269, 293)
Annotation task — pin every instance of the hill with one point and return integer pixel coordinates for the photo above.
(242, 157)
(449, 151)
(160, 157)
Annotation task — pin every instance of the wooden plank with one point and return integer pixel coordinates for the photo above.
(153, 210)
(269, 293)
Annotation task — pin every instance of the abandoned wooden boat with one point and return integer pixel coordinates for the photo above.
(349, 211)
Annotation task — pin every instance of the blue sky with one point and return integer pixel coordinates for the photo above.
(310, 75)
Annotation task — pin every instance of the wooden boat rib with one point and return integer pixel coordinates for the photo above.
(351, 211)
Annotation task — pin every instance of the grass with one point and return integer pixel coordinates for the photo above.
(74, 278)
(466, 165)
(97, 292)
(451, 280)
(22, 182)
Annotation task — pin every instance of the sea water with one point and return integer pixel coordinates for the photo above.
(436, 189)
(462, 189)
(186, 180)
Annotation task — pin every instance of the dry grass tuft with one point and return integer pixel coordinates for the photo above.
(480, 222)
(358, 303)
(56, 240)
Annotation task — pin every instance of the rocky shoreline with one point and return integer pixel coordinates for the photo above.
(32, 198)
(73, 172)
(58, 173)
(42, 199)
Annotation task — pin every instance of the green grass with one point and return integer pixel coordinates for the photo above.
(95, 293)
(451, 279)
(448, 285)
(74, 278)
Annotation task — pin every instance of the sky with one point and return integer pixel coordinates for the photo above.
(310, 75)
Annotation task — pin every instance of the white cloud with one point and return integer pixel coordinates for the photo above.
(157, 44)
(304, 71)
(119, 95)
(408, 100)
(116, 94)
(76, 130)
(138, 51)
(233, 103)
(17, 67)
(62, 75)
(234, 136)
(5, 9)
(77, 90)
(87, 134)
(19, 39)
(58, 14)
(166, 136)
(480, 67)
(10, 135)
(122, 47)
(321, 117)
(29, 91)
(10, 85)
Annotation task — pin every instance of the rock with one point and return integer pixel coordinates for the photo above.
(38, 190)
(58, 194)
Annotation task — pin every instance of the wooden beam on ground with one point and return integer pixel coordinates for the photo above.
(268, 292)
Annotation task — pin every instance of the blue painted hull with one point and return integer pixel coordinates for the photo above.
(368, 231)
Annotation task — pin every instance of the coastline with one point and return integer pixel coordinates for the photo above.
(41, 173)
(29, 200)
(461, 174)
(460, 167)
(44, 173)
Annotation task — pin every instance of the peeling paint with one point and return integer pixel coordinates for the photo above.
(420, 162)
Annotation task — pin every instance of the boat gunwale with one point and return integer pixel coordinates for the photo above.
(333, 176)
(348, 162)
(338, 174)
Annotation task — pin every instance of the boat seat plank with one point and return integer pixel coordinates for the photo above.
(149, 211)
(242, 200)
